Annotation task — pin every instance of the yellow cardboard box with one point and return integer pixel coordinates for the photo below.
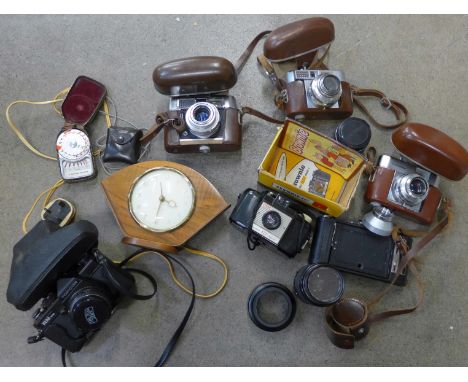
(325, 176)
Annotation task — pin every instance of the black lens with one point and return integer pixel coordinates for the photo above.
(319, 285)
(90, 308)
(271, 220)
(201, 114)
(418, 186)
(331, 83)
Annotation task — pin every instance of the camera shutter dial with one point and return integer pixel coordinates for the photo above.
(90, 308)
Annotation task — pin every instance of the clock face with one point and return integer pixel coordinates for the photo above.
(161, 199)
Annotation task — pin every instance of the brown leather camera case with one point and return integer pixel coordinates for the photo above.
(194, 75)
(432, 149)
(232, 138)
(297, 103)
(379, 186)
(299, 40)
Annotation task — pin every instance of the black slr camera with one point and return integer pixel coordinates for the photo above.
(80, 287)
(272, 219)
(350, 247)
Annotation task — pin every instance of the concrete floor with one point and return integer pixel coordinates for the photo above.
(420, 60)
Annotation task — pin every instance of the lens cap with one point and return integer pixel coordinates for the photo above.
(90, 308)
(332, 83)
(354, 133)
(271, 307)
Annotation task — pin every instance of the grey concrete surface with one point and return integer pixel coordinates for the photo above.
(420, 60)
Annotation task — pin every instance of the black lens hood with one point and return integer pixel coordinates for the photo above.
(255, 297)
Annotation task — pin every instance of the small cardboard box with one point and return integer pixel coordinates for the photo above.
(311, 168)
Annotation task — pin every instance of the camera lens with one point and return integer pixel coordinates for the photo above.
(318, 285)
(203, 119)
(410, 189)
(201, 114)
(90, 307)
(418, 186)
(271, 220)
(326, 89)
(331, 84)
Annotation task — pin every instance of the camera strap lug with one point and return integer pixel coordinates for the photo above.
(38, 337)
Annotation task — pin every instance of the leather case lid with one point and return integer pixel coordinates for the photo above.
(43, 255)
(432, 149)
(194, 75)
(298, 38)
(83, 100)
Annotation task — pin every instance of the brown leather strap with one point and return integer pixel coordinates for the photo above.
(258, 114)
(398, 109)
(348, 320)
(169, 119)
(248, 51)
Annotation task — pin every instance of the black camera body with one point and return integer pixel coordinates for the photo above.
(350, 247)
(272, 219)
(80, 287)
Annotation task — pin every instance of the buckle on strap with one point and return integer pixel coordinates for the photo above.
(386, 103)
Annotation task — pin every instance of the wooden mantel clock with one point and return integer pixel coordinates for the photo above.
(160, 205)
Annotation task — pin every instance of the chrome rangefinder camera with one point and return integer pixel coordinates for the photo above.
(198, 89)
(409, 185)
(272, 219)
(317, 94)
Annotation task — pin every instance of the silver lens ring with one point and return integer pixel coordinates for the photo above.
(411, 189)
(202, 119)
(326, 88)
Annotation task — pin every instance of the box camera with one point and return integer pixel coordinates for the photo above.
(272, 219)
(409, 186)
(349, 247)
(198, 87)
(80, 287)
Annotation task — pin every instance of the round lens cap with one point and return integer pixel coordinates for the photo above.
(332, 83)
(271, 307)
(90, 309)
(354, 133)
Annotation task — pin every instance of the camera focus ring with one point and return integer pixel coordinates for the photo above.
(326, 88)
(203, 119)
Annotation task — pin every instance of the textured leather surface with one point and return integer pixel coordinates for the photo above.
(194, 75)
(432, 149)
(298, 39)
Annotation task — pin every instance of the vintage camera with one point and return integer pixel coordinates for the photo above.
(272, 219)
(349, 247)
(198, 87)
(400, 186)
(409, 186)
(80, 287)
(317, 94)
(289, 54)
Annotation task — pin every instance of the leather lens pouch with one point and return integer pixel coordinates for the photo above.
(122, 145)
(347, 322)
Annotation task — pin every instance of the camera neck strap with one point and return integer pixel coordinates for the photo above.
(166, 119)
(398, 109)
(349, 319)
(248, 51)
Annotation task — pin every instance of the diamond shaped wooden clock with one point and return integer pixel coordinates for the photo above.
(160, 205)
